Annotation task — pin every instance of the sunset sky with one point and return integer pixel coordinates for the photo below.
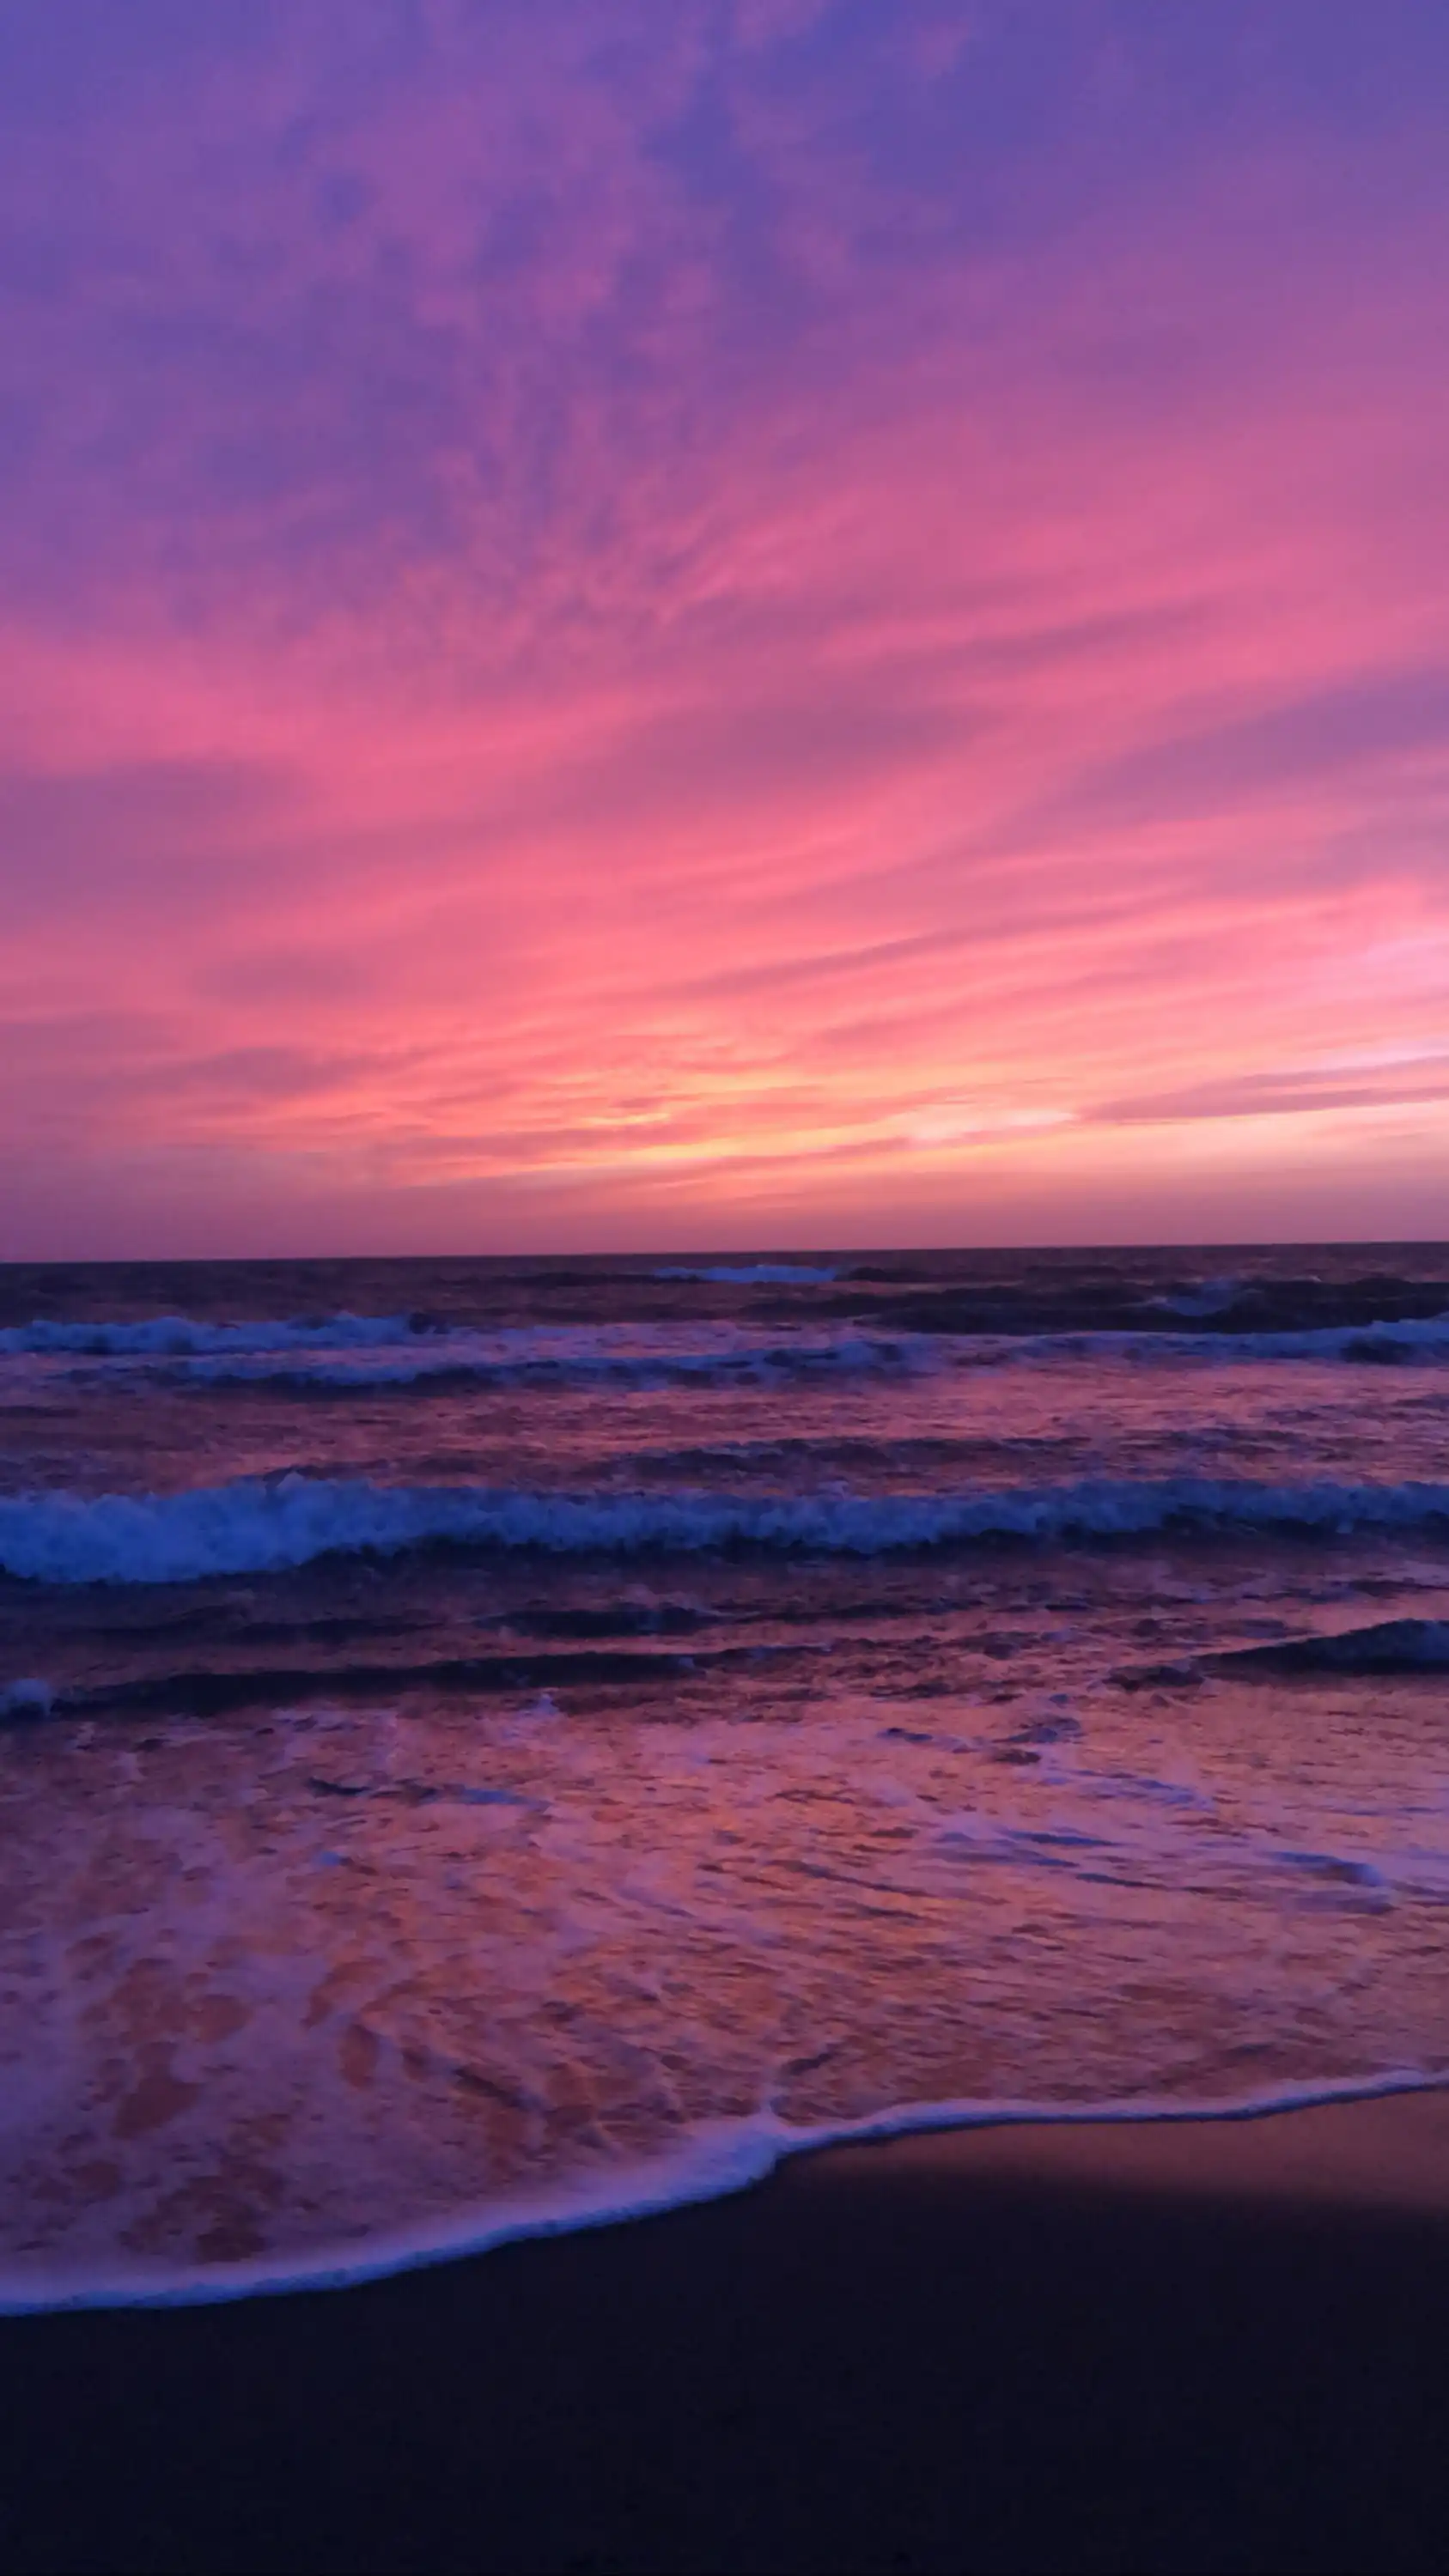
(647, 623)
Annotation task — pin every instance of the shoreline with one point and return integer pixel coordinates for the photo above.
(1173, 2343)
(715, 2164)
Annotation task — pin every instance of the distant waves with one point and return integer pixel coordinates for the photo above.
(349, 1355)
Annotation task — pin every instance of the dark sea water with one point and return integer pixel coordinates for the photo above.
(484, 1742)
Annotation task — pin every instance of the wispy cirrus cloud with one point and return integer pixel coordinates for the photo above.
(1286, 1094)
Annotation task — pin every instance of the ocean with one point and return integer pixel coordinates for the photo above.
(491, 1745)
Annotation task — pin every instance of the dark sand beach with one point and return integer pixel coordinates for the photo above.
(1203, 2345)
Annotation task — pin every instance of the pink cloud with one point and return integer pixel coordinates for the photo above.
(603, 641)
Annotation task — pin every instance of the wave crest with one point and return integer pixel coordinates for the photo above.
(177, 1336)
(257, 1526)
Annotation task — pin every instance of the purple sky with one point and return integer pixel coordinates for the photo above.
(662, 624)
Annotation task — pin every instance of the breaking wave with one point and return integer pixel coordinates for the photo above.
(1416, 1338)
(173, 1336)
(257, 1526)
(560, 1358)
(350, 1354)
(758, 1274)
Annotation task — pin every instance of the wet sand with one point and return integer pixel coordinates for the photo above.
(1203, 2345)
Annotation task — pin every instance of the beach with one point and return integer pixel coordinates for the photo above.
(724, 1287)
(484, 1740)
(1186, 2345)
(522, 1783)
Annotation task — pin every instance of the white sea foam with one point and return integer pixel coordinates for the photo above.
(711, 2163)
(1211, 1297)
(257, 1526)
